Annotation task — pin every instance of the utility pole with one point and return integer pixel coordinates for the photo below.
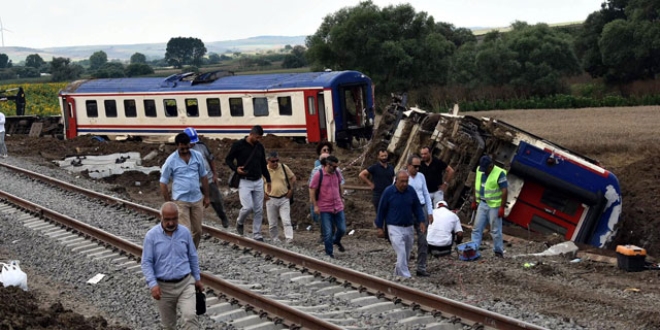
(2, 32)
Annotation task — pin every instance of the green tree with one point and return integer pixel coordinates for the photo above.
(34, 61)
(4, 61)
(296, 59)
(110, 70)
(463, 68)
(214, 58)
(62, 70)
(138, 69)
(396, 46)
(138, 58)
(183, 51)
(97, 60)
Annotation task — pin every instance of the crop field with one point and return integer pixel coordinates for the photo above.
(41, 99)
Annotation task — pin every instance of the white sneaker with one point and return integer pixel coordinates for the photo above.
(5, 156)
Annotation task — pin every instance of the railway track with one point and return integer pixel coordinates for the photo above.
(356, 292)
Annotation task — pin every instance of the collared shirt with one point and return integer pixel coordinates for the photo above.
(445, 224)
(399, 208)
(2, 122)
(241, 151)
(169, 257)
(278, 186)
(318, 168)
(329, 200)
(207, 156)
(382, 176)
(185, 176)
(433, 173)
(418, 182)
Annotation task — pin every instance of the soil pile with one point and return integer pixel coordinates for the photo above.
(19, 310)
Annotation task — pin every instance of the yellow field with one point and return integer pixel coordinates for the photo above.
(615, 136)
(41, 99)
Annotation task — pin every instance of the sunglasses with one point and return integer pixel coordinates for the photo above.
(274, 160)
(416, 166)
(325, 149)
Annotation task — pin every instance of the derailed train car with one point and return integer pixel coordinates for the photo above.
(551, 189)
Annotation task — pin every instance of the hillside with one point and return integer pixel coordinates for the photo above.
(151, 50)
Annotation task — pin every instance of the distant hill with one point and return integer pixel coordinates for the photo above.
(152, 50)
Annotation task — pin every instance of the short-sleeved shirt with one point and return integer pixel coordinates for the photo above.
(329, 200)
(445, 223)
(433, 173)
(185, 176)
(278, 186)
(381, 176)
(207, 156)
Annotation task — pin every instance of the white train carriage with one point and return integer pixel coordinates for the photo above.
(312, 106)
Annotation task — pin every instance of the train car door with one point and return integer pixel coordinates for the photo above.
(69, 112)
(315, 116)
(547, 211)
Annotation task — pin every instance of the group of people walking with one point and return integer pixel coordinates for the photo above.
(408, 203)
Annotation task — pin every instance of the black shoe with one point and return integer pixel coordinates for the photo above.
(423, 273)
(340, 247)
(260, 239)
(499, 254)
(239, 229)
(225, 223)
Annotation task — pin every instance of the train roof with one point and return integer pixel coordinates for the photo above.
(185, 82)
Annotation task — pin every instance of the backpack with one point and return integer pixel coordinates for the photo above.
(321, 181)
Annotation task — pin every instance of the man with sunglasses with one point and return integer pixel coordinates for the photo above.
(417, 181)
(185, 168)
(282, 182)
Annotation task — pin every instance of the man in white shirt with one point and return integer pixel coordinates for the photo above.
(3, 147)
(417, 181)
(440, 233)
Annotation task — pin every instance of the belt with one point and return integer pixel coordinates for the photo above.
(252, 178)
(277, 197)
(176, 280)
(400, 225)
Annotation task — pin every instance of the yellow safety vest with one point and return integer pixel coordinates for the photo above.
(492, 191)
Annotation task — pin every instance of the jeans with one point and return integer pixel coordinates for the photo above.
(3, 146)
(402, 239)
(279, 207)
(486, 214)
(328, 220)
(436, 197)
(251, 194)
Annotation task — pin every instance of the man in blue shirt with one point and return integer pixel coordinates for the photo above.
(399, 208)
(171, 268)
(185, 167)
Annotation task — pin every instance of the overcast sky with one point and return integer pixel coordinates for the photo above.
(49, 23)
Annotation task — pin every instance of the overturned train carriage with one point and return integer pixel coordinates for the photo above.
(551, 189)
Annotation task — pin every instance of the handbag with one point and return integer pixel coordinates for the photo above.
(234, 177)
(288, 186)
(200, 303)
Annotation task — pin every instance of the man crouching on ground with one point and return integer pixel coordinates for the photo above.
(171, 268)
(399, 208)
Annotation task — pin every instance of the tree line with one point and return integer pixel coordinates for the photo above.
(402, 50)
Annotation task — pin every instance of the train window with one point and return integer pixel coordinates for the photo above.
(191, 108)
(170, 107)
(149, 108)
(130, 110)
(285, 106)
(260, 106)
(92, 109)
(310, 106)
(236, 107)
(213, 107)
(110, 108)
(560, 202)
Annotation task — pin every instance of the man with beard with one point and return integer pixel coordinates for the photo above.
(185, 167)
(382, 175)
(171, 267)
(325, 191)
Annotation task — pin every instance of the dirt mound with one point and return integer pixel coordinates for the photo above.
(23, 313)
(640, 216)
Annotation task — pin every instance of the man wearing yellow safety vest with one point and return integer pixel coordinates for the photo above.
(490, 187)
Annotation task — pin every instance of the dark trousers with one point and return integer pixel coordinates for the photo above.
(216, 201)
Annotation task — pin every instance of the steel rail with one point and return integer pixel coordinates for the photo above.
(361, 280)
(285, 314)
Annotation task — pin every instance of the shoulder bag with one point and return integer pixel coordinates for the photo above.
(234, 177)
